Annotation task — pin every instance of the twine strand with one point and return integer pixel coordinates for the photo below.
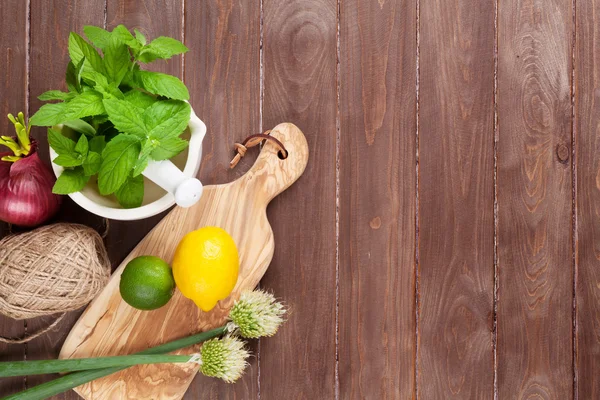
(30, 337)
(106, 228)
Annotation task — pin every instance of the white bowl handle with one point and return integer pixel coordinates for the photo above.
(187, 191)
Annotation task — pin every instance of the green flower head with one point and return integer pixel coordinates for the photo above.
(223, 358)
(256, 314)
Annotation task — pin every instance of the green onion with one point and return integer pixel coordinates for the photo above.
(254, 315)
(39, 367)
(75, 379)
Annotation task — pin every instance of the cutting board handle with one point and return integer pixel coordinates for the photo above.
(273, 172)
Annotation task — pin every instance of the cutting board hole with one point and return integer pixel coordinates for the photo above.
(282, 156)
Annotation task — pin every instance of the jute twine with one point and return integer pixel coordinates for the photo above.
(53, 269)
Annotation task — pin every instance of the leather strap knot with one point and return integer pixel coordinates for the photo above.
(255, 140)
(241, 149)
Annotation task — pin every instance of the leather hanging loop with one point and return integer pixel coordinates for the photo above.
(255, 140)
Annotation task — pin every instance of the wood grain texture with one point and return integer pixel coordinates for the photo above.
(587, 139)
(51, 22)
(535, 200)
(300, 86)
(377, 346)
(456, 199)
(13, 86)
(239, 208)
(222, 70)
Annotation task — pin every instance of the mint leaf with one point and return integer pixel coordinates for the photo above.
(60, 143)
(80, 126)
(82, 105)
(70, 181)
(129, 77)
(162, 47)
(92, 163)
(123, 34)
(168, 45)
(78, 72)
(162, 84)
(147, 56)
(140, 99)
(110, 91)
(71, 78)
(168, 148)
(82, 147)
(167, 118)
(163, 110)
(131, 194)
(98, 120)
(98, 36)
(49, 114)
(73, 75)
(69, 160)
(126, 117)
(56, 95)
(95, 79)
(79, 48)
(86, 104)
(116, 60)
(119, 157)
(140, 37)
(142, 162)
(97, 144)
(113, 89)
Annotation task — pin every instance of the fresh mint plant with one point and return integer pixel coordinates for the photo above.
(123, 116)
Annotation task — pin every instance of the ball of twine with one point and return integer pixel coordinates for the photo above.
(55, 268)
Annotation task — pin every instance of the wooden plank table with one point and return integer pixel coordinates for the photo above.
(444, 241)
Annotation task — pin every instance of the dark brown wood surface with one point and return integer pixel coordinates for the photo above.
(299, 53)
(587, 168)
(377, 231)
(456, 197)
(443, 242)
(13, 81)
(535, 194)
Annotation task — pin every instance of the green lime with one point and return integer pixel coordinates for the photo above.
(147, 283)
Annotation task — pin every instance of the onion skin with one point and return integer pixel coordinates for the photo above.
(26, 197)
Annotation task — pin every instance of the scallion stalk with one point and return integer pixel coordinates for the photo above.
(75, 379)
(40, 367)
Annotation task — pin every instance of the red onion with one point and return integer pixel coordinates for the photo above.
(26, 197)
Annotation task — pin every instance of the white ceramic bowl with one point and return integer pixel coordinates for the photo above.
(165, 182)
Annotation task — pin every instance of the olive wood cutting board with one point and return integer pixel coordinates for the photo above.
(109, 326)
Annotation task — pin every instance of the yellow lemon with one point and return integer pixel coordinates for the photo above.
(206, 266)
